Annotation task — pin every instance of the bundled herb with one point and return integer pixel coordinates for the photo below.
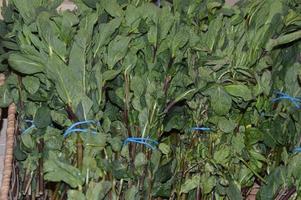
(137, 100)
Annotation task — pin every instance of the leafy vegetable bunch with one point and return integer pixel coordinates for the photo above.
(131, 99)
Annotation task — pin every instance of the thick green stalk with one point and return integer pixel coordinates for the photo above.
(254, 172)
(285, 39)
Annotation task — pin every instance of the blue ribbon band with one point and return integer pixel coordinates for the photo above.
(144, 141)
(72, 128)
(29, 128)
(200, 129)
(284, 96)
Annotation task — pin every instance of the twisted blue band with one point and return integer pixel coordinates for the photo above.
(284, 96)
(29, 128)
(200, 129)
(145, 141)
(72, 128)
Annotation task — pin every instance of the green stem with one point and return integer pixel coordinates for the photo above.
(120, 189)
(254, 172)
(283, 40)
(79, 152)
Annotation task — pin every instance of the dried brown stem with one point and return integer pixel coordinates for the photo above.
(41, 168)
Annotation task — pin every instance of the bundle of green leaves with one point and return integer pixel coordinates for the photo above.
(127, 99)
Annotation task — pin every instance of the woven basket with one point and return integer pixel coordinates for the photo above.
(8, 169)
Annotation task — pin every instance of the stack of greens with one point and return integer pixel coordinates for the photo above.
(127, 99)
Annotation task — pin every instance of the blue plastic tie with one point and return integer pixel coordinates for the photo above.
(297, 150)
(158, 3)
(201, 129)
(29, 128)
(284, 96)
(80, 123)
(72, 128)
(145, 141)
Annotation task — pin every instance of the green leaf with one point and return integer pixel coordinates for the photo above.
(264, 84)
(48, 31)
(191, 184)
(116, 144)
(75, 195)
(233, 192)
(284, 39)
(238, 143)
(140, 160)
(221, 102)
(164, 148)
(166, 171)
(242, 91)
(166, 21)
(275, 180)
(266, 80)
(5, 96)
(53, 139)
(31, 84)
(213, 32)
(28, 141)
(132, 18)
(117, 49)
(226, 125)
(163, 189)
(179, 40)
(62, 76)
(132, 193)
(42, 117)
(84, 108)
(294, 166)
(78, 58)
(292, 85)
(97, 140)
(67, 173)
(97, 191)
(104, 34)
(60, 118)
(26, 64)
(207, 183)
(110, 74)
(27, 9)
(222, 154)
(91, 3)
(112, 7)
(152, 35)
(138, 86)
